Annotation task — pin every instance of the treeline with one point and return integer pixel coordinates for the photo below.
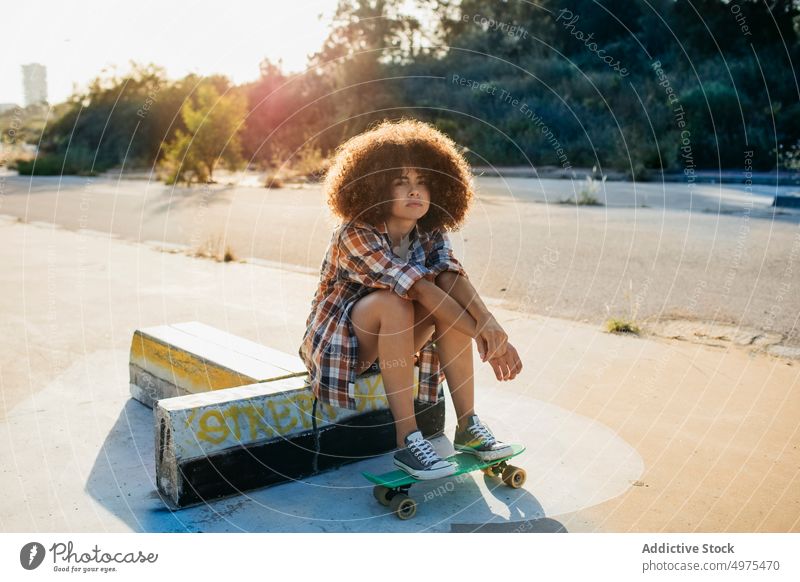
(624, 84)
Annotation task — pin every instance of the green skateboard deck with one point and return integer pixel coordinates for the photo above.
(465, 463)
(391, 489)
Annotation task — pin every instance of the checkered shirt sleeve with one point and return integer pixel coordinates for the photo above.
(365, 259)
(441, 256)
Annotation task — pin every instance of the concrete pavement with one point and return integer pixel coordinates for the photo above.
(623, 433)
(581, 263)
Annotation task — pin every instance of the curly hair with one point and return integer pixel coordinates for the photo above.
(358, 182)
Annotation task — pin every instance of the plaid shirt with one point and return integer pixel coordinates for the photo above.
(360, 260)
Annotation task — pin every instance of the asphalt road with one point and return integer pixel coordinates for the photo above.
(651, 252)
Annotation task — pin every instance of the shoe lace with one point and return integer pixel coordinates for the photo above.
(424, 451)
(483, 433)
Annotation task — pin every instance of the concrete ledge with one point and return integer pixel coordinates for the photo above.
(188, 358)
(214, 444)
(233, 415)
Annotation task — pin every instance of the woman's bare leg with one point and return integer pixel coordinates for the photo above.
(455, 358)
(392, 329)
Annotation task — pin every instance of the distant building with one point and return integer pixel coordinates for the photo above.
(7, 107)
(34, 84)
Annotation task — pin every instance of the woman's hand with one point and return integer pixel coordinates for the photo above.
(492, 339)
(507, 366)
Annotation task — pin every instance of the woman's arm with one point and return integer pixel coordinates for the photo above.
(443, 306)
(451, 288)
(492, 339)
(460, 289)
(450, 275)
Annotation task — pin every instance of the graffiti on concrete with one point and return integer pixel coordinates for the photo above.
(276, 415)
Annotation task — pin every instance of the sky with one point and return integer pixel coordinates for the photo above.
(77, 39)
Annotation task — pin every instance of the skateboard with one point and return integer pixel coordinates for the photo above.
(391, 489)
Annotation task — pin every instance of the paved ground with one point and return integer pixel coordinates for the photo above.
(624, 433)
(719, 255)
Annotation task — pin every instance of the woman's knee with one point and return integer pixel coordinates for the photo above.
(393, 308)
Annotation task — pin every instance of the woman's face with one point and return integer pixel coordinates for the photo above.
(410, 195)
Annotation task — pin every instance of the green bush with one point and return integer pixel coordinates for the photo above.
(78, 161)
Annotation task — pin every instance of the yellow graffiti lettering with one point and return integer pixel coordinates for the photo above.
(269, 418)
(361, 403)
(278, 417)
(376, 394)
(370, 396)
(214, 432)
(255, 420)
(232, 412)
(364, 389)
(190, 418)
(329, 411)
(305, 404)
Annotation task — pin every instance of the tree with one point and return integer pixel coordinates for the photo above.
(365, 37)
(213, 123)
